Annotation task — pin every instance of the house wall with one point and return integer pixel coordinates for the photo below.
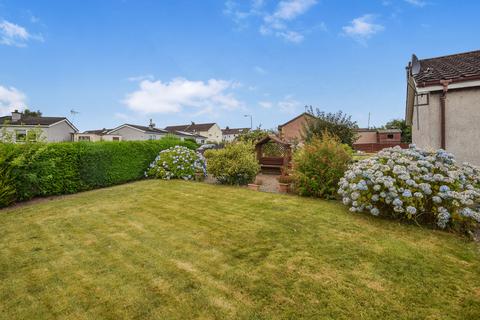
(366, 137)
(214, 134)
(294, 130)
(130, 134)
(462, 126)
(229, 137)
(383, 137)
(10, 132)
(61, 131)
(95, 137)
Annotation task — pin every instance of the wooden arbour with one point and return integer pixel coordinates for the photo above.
(274, 162)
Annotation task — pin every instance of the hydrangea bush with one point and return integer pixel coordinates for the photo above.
(413, 184)
(177, 163)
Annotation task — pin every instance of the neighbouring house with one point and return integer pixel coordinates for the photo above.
(211, 131)
(443, 104)
(292, 130)
(230, 134)
(18, 128)
(96, 135)
(374, 140)
(134, 132)
(188, 135)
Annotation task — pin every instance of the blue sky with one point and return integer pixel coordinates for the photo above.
(118, 61)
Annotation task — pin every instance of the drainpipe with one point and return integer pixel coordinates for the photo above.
(443, 105)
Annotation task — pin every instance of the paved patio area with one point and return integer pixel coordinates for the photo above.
(269, 182)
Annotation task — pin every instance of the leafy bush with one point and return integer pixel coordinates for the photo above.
(413, 184)
(319, 165)
(176, 163)
(42, 169)
(235, 164)
(7, 191)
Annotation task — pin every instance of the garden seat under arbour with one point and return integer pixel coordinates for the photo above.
(273, 154)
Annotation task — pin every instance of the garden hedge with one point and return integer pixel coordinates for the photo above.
(43, 169)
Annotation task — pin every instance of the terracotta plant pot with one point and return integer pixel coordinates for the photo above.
(253, 186)
(283, 187)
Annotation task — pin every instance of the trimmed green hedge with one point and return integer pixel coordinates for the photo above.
(43, 169)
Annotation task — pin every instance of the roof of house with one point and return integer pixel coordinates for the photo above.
(389, 131)
(365, 130)
(145, 129)
(305, 114)
(99, 132)
(228, 130)
(193, 127)
(188, 134)
(32, 121)
(456, 67)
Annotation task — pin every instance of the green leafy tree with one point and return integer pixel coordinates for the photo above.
(254, 135)
(338, 124)
(402, 125)
(30, 113)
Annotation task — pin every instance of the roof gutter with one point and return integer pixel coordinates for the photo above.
(443, 107)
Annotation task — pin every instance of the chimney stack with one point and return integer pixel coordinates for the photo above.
(16, 116)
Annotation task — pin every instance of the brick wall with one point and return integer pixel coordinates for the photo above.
(294, 129)
(375, 147)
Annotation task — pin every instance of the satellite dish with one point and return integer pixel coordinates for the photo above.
(415, 65)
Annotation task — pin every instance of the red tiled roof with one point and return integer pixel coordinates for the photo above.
(456, 67)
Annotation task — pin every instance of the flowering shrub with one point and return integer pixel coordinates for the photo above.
(427, 187)
(319, 165)
(235, 164)
(177, 163)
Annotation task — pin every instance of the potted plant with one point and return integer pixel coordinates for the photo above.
(255, 185)
(284, 182)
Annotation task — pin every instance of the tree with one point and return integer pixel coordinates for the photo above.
(28, 113)
(335, 123)
(254, 135)
(402, 125)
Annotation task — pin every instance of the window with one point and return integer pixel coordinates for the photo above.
(390, 136)
(152, 137)
(20, 135)
(115, 139)
(83, 138)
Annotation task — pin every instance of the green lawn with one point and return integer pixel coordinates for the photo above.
(181, 250)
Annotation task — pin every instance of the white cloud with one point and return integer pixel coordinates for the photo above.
(260, 70)
(11, 99)
(363, 28)
(12, 34)
(180, 93)
(289, 105)
(287, 10)
(276, 22)
(266, 104)
(290, 9)
(417, 3)
(140, 78)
